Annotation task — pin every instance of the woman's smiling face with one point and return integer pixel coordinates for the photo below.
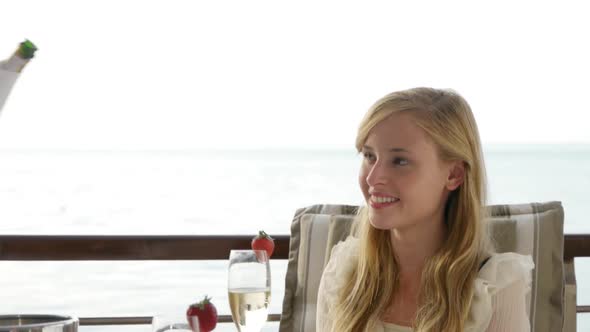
(403, 179)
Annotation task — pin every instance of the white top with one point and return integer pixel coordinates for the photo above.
(499, 298)
(390, 327)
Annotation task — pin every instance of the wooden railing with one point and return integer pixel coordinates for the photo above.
(170, 247)
(125, 247)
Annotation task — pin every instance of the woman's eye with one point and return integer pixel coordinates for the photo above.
(368, 156)
(400, 161)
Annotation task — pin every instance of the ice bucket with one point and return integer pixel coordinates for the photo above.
(38, 323)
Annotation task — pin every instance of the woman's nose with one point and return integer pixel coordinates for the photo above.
(377, 174)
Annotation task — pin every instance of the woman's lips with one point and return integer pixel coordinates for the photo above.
(381, 205)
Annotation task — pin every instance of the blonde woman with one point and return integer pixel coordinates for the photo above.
(419, 258)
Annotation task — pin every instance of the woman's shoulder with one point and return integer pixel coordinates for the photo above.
(500, 273)
(503, 269)
(343, 255)
(342, 261)
(346, 247)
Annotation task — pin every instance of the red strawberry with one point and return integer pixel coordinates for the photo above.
(263, 242)
(206, 312)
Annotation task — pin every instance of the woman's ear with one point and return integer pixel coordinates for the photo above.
(456, 175)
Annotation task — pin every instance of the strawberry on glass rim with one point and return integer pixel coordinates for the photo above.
(264, 242)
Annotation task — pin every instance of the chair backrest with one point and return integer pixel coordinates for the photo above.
(534, 229)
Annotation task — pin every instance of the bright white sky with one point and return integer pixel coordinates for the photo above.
(240, 74)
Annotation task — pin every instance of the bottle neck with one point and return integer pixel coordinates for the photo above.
(15, 63)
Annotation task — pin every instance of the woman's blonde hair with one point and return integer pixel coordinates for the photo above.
(446, 285)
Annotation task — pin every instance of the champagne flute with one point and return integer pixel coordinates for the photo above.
(249, 289)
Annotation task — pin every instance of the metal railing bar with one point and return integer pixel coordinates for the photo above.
(146, 320)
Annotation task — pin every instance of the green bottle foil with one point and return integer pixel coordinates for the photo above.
(27, 49)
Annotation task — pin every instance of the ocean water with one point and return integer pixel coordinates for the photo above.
(214, 192)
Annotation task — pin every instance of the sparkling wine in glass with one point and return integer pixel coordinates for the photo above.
(249, 289)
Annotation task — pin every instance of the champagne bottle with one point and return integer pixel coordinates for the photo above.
(20, 58)
(11, 68)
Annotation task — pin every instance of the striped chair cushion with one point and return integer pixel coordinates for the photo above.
(534, 229)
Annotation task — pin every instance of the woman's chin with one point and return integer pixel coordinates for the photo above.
(378, 223)
(381, 227)
(387, 223)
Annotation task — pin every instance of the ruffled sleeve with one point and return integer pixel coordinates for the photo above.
(499, 299)
(342, 261)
